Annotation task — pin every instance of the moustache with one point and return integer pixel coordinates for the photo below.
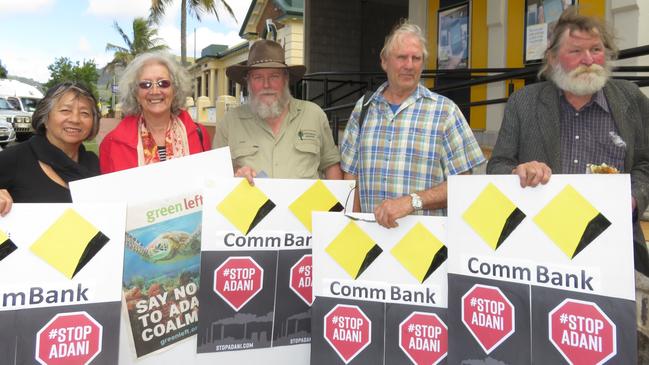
(581, 70)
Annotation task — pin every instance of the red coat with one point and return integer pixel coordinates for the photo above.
(118, 150)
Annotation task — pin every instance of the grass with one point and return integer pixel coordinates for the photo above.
(91, 146)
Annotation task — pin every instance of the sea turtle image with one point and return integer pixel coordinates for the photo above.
(168, 246)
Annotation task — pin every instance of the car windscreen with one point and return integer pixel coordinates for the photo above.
(29, 104)
(4, 104)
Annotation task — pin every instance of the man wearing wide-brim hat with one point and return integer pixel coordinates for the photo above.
(274, 134)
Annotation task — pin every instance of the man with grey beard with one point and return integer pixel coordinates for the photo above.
(275, 135)
(578, 119)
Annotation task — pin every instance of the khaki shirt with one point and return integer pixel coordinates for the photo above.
(303, 148)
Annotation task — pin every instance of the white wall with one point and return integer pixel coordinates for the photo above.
(418, 13)
(630, 20)
(497, 28)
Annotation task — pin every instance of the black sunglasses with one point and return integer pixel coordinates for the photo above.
(147, 84)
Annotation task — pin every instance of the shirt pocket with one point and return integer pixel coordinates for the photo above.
(243, 155)
(611, 154)
(307, 158)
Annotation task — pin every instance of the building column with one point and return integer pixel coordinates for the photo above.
(196, 90)
(203, 84)
(418, 14)
(495, 59)
(630, 20)
(211, 86)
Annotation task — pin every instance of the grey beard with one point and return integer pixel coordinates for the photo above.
(566, 81)
(272, 110)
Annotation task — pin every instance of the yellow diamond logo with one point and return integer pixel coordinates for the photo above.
(69, 243)
(245, 207)
(353, 250)
(6, 245)
(571, 222)
(493, 216)
(420, 252)
(318, 198)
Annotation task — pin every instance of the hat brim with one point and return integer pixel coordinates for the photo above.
(237, 73)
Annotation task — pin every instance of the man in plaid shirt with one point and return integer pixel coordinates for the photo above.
(579, 117)
(410, 140)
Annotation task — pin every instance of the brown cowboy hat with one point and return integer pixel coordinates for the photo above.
(264, 54)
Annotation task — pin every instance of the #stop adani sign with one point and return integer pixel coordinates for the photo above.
(238, 280)
(582, 332)
(424, 338)
(69, 339)
(488, 315)
(301, 279)
(348, 331)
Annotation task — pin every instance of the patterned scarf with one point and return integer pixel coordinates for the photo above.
(176, 142)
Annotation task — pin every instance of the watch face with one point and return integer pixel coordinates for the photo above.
(416, 201)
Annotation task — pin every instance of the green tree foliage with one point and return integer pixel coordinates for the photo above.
(3, 71)
(194, 7)
(63, 69)
(144, 39)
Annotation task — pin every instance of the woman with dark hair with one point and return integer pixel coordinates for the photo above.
(39, 169)
(153, 89)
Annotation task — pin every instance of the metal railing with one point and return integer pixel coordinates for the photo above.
(339, 87)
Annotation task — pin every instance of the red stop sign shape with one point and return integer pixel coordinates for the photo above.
(69, 339)
(301, 279)
(582, 332)
(238, 280)
(488, 315)
(424, 338)
(348, 331)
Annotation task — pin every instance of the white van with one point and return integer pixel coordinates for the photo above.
(23, 98)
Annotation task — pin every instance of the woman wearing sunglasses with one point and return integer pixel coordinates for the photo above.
(39, 169)
(152, 91)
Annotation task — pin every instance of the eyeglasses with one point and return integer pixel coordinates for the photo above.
(147, 84)
(350, 215)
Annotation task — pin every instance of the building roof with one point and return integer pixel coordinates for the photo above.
(288, 7)
(219, 51)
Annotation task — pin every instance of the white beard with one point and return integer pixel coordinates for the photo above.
(582, 81)
(273, 109)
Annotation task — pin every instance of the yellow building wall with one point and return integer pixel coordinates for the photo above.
(433, 7)
(596, 8)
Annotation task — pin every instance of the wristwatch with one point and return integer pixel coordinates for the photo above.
(416, 202)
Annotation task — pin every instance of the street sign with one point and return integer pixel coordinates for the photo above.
(424, 338)
(69, 339)
(348, 331)
(582, 332)
(238, 280)
(488, 315)
(300, 280)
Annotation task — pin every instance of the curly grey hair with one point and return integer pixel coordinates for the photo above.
(53, 95)
(128, 83)
(402, 29)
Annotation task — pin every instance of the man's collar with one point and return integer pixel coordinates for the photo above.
(598, 98)
(420, 92)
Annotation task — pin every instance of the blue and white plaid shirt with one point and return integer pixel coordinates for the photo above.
(411, 150)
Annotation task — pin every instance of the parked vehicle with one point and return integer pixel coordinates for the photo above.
(7, 133)
(21, 122)
(22, 96)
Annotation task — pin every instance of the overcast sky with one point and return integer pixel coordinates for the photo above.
(35, 32)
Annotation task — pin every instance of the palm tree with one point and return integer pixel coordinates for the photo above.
(145, 38)
(194, 7)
